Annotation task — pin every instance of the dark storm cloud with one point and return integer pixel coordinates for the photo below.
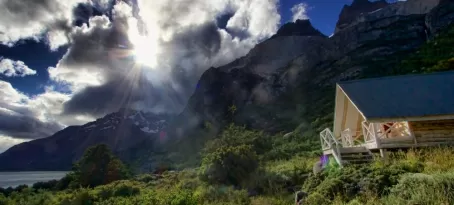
(25, 127)
(204, 39)
(128, 87)
(119, 93)
(192, 45)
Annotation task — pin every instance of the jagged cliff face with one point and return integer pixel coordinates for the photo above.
(364, 11)
(284, 81)
(358, 8)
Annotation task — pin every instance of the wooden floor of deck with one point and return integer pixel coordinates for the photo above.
(395, 143)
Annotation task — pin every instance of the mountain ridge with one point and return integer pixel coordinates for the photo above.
(121, 131)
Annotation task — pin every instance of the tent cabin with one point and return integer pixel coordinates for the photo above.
(388, 113)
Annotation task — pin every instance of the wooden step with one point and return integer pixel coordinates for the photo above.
(353, 150)
(357, 161)
(356, 155)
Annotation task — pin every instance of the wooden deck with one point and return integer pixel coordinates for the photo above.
(382, 136)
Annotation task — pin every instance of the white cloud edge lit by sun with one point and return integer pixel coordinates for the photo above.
(299, 11)
(11, 68)
(7, 142)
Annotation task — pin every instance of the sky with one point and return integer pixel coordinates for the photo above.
(68, 62)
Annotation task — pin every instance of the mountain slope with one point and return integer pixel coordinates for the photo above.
(121, 131)
(278, 87)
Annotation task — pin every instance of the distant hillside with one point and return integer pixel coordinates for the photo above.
(123, 132)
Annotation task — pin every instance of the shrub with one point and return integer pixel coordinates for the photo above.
(269, 183)
(146, 178)
(229, 165)
(224, 194)
(317, 198)
(118, 189)
(50, 185)
(267, 200)
(423, 189)
(353, 181)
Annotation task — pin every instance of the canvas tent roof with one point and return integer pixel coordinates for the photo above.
(403, 96)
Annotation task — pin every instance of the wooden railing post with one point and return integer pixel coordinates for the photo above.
(364, 132)
(375, 133)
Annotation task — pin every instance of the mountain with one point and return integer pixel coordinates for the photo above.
(121, 131)
(298, 28)
(285, 82)
(358, 7)
(288, 80)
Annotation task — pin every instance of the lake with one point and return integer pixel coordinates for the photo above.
(14, 179)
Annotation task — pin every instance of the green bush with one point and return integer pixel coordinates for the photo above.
(221, 194)
(229, 165)
(118, 189)
(423, 189)
(146, 178)
(317, 198)
(353, 181)
(50, 185)
(233, 136)
(267, 183)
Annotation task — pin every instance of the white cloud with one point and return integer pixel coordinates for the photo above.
(300, 11)
(181, 35)
(11, 68)
(23, 19)
(33, 117)
(258, 17)
(178, 39)
(7, 142)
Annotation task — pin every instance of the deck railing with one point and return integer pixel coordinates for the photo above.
(377, 132)
(369, 131)
(393, 129)
(351, 139)
(329, 142)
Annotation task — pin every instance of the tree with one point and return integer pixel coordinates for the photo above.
(98, 166)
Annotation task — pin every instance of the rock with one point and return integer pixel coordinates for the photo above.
(401, 8)
(298, 28)
(318, 168)
(356, 9)
(299, 197)
(440, 17)
(288, 135)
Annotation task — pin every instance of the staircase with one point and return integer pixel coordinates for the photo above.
(355, 155)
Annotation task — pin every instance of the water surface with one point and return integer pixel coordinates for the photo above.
(14, 179)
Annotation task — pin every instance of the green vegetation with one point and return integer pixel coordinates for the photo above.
(244, 167)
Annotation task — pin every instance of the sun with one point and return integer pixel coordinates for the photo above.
(145, 50)
(145, 54)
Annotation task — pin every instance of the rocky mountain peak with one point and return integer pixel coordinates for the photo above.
(298, 28)
(358, 7)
